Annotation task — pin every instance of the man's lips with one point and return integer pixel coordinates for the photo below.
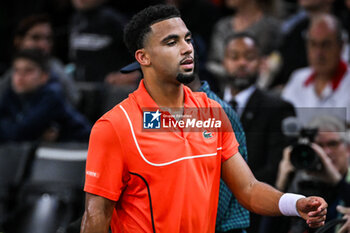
(187, 63)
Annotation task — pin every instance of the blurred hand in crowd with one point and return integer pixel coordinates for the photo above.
(284, 170)
(51, 134)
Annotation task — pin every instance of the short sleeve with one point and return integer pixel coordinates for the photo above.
(229, 142)
(105, 168)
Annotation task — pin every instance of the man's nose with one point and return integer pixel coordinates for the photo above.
(187, 48)
(242, 62)
(44, 46)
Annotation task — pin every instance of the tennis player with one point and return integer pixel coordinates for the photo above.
(168, 182)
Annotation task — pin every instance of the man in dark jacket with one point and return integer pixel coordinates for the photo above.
(260, 112)
(34, 108)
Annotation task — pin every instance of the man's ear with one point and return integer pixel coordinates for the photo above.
(142, 57)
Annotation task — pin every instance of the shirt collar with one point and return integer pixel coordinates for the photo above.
(144, 100)
(336, 79)
(204, 87)
(243, 96)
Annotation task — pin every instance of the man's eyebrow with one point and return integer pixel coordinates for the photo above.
(170, 37)
(175, 37)
(188, 34)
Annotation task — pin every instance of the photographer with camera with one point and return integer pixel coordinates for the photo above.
(318, 164)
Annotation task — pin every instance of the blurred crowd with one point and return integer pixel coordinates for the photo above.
(282, 65)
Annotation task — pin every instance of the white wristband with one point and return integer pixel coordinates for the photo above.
(288, 204)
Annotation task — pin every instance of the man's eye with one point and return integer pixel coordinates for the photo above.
(171, 43)
(189, 40)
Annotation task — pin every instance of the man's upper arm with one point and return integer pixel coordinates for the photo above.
(238, 177)
(229, 142)
(105, 166)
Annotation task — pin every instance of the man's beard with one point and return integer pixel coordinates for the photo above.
(242, 83)
(185, 78)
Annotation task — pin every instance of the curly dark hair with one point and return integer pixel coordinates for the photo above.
(140, 24)
(29, 22)
(35, 55)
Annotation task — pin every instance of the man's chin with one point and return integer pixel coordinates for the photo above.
(185, 78)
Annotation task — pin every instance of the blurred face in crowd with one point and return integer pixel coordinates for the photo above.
(27, 76)
(233, 4)
(313, 4)
(86, 4)
(168, 51)
(336, 149)
(38, 37)
(242, 62)
(323, 47)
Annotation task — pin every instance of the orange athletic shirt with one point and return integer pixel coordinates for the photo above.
(164, 182)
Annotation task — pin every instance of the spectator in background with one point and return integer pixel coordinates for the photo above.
(33, 107)
(293, 45)
(332, 181)
(261, 113)
(35, 32)
(325, 83)
(96, 41)
(251, 16)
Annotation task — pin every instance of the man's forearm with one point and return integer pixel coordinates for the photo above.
(256, 196)
(94, 224)
(97, 215)
(264, 199)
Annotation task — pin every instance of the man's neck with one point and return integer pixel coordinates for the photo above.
(235, 91)
(321, 82)
(196, 84)
(165, 94)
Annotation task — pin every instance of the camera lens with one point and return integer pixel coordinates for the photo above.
(304, 157)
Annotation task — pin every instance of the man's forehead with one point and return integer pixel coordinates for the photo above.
(20, 62)
(169, 26)
(243, 43)
(326, 134)
(323, 27)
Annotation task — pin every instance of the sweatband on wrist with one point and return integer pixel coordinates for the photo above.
(288, 204)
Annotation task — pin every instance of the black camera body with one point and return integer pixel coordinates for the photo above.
(302, 155)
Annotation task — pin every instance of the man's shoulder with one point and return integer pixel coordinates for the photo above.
(297, 79)
(203, 100)
(273, 100)
(118, 111)
(301, 74)
(51, 89)
(116, 119)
